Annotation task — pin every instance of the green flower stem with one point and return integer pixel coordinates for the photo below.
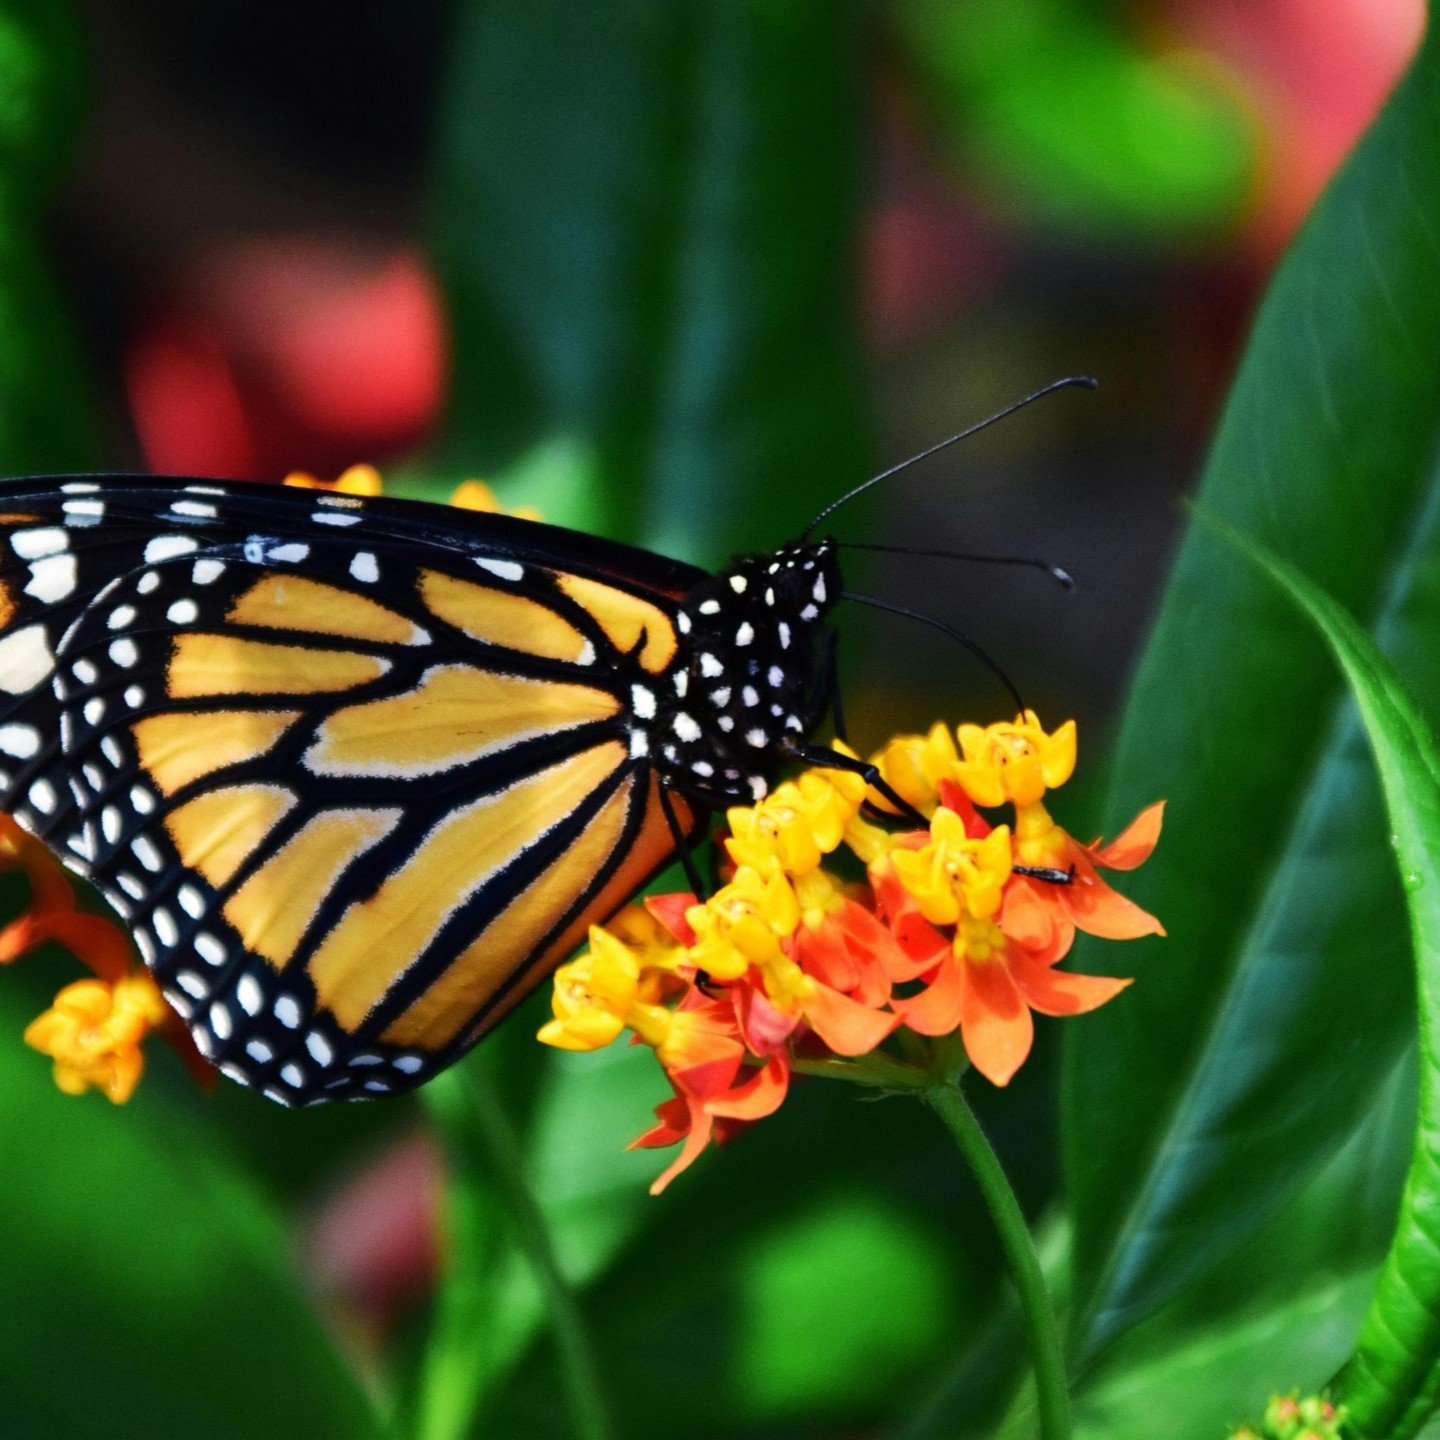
(1047, 1352)
(875, 1069)
(482, 1141)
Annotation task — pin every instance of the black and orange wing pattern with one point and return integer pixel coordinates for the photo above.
(357, 773)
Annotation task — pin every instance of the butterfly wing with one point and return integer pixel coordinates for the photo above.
(357, 773)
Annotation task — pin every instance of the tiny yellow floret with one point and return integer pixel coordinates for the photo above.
(1014, 760)
(93, 1032)
(743, 923)
(954, 875)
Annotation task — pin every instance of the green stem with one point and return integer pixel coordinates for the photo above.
(1046, 1350)
(482, 1142)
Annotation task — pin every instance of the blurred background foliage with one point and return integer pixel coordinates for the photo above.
(680, 274)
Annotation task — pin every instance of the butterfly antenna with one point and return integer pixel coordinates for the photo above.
(991, 665)
(1084, 382)
(1061, 577)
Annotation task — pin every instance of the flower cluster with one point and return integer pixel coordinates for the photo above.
(1287, 1417)
(953, 927)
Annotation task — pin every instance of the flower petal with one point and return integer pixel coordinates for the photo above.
(670, 910)
(845, 1025)
(1058, 992)
(937, 1009)
(1034, 920)
(1098, 910)
(759, 1096)
(700, 1128)
(1133, 845)
(764, 1026)
(995, 1021)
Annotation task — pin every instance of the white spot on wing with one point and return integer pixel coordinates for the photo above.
(35, 544)
(25, 660)
(206, 572)
(167, 547)
(250, 995)
(182, 612)
(502, 569)
(365, 568)
(21, 741)
(52, 578)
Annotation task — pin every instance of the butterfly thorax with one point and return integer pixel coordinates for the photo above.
(747, 677)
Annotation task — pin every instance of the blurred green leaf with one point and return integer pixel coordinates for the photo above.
(44, 416)
(1256, 1036)
(810, 1292)
(1392, 1383)
(644, 221)
(1069, 118)
(144, 1288)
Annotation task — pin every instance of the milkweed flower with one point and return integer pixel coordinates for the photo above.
(794, 964)
(96, 1028)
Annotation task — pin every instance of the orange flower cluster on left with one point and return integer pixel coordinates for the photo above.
(953, 928)
(95, 1029)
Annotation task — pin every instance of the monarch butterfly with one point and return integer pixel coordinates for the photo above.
(358, 773)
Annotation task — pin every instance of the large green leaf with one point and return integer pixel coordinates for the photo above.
(644, 222)
(1278, 1316)
(1255, 1037)
(1392, 1384)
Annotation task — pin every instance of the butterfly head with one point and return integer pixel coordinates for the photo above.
(747, 678)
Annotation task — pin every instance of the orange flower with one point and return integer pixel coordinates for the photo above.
(1040, 913)
(960, 930)
(984, 984)
(95, 1029)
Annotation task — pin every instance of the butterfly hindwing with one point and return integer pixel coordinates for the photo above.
(356, 786)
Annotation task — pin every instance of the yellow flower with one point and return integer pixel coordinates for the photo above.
(94, 1032)
(914, 766)
(593, 995)
(357, 480)
(800, 822)
(1014, 760)
(743, 924)
(477, 495)
(954, 875)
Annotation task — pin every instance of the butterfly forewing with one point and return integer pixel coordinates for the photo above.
(356, 778)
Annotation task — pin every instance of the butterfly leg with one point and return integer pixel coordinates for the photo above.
(833, 760)
(682, 845)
